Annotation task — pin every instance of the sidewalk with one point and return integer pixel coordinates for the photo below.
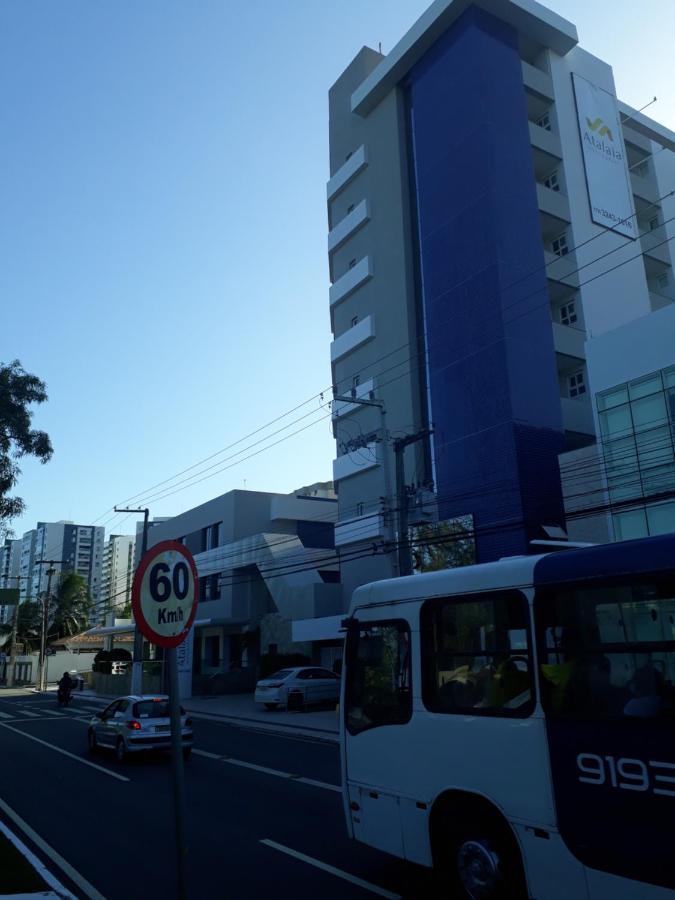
(241, 709)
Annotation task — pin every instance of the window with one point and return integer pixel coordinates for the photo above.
(475, 655)
(350, 208)
(544, 122)
(653, 223)
(354, 321)
(641, 169)
(212, 650)
(559, 245)
(568, 313)
(551, 182)
(378, 686)
(359, 509)
(356, 380)
(608, 650)
(576, 385)
(662, 280)
(352, 263)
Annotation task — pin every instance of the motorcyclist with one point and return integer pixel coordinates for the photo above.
(65, 686)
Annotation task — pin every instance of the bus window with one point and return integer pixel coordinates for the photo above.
(378, 678)
(475, 655)
(608, 650)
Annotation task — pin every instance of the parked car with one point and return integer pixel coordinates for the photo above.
(135, 723)
(298, 687)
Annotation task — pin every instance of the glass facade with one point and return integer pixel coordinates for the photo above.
(637, 424)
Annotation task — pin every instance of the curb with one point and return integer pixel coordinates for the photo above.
(319, 734)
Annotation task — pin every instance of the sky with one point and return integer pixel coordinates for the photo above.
(163, 232)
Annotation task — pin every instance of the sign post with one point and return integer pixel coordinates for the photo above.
(164, 601)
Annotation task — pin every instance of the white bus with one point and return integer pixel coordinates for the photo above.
(513, 724)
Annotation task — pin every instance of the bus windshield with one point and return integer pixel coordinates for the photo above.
(608, 651)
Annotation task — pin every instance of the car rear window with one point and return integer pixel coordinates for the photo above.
(281, 674)
(153, 709)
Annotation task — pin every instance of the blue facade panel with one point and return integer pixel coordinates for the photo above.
(495, 403)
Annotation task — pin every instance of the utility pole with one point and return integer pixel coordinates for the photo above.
(352, 398)
(137, 665)
(46, 601)
(404, 554)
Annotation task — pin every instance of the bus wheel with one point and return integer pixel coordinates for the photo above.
(480, 861)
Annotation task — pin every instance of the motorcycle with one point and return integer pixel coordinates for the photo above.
(63, 696)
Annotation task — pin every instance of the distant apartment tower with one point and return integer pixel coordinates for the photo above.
(74, 548)
(10, 569)
(491, 206)
(116, 576)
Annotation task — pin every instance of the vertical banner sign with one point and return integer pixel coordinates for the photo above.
(609, 190)
(184, 653)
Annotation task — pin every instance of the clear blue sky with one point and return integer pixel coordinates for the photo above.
(163, 226)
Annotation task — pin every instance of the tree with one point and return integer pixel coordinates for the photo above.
(18, 389)
(27, 628)
(72, 605)
(445, 545)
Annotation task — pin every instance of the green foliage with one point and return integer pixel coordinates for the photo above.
(72, 605)
(102, 662)
(18, 390)
(445, 545)
(273, 662)
(29, 625)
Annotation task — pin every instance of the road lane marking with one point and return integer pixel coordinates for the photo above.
(85, 762)
(366, 885)
(87, 889)
(6, 715)
(289, 776)
(25, 712)
(54, 712)
(207, 754)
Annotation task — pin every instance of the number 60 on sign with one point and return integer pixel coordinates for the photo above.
(164, 594)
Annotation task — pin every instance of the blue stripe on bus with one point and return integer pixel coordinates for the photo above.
(649, 555)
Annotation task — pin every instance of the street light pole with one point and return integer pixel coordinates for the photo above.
(46, 600)
(137, 665)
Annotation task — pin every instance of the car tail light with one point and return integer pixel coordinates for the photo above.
(133, 725)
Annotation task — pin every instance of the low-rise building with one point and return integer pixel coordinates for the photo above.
(264, 561)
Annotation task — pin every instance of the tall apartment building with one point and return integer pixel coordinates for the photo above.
(10, 569)
(499, 228)
(117, 574)
(77, 548)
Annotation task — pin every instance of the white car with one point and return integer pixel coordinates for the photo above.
(298, 687)
(135, 723)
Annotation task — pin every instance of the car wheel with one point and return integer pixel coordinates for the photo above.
(91, 741)
(187, 753)
(271, 705)
(476, 860)
(120, 751)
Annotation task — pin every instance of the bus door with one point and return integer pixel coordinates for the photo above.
(378, 704)
(607, 673)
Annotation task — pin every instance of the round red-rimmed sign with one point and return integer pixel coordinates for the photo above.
(165, 593)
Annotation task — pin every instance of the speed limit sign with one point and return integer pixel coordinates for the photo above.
(164, 594)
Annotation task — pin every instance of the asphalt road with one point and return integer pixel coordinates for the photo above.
(114, 823)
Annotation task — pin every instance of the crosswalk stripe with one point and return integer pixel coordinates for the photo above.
(25, 712)
(5, 716)
(54, 712)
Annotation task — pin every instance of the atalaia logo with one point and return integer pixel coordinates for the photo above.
(596, 140)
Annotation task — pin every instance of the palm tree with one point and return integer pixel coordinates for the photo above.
(72, 605)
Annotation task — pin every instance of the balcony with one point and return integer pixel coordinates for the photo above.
(645, 190)
(356, 163)
(577, 415)
(355, 462)
(545, 141)
(358, 335)
(569, 341)
(351, 223)
(351, 280)
(651, 240)
(537, 82)
(554, 206)
(363, 391)
(562, 268)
